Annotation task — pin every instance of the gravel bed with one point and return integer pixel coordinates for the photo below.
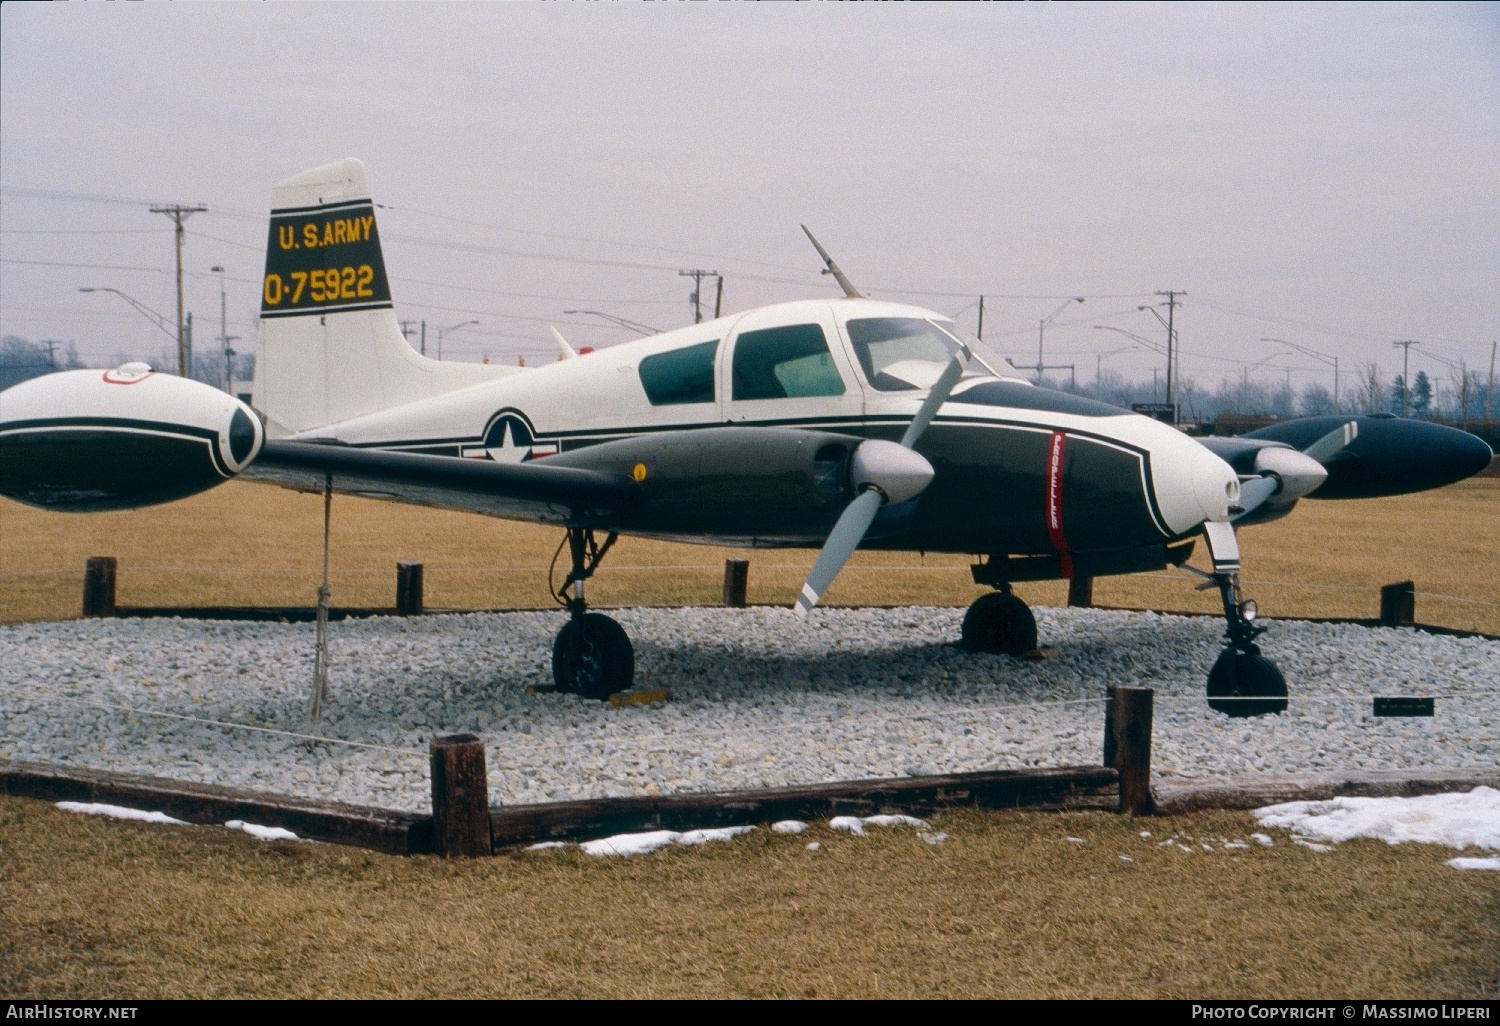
(759, 699)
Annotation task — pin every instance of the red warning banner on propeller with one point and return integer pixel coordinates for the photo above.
(1056, 448)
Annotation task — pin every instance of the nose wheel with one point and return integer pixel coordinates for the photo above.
(1000, 623)
(592, 655)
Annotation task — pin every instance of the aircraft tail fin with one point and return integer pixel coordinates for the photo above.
(330, 346)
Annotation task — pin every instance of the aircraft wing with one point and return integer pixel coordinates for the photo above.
(522, 491)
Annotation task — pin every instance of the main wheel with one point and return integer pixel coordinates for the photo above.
(1238, 677)
(999, 622)
(603, 664)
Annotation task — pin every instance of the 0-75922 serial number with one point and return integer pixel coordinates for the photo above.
(320, 286)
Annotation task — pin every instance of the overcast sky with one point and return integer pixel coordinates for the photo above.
(1326, 175)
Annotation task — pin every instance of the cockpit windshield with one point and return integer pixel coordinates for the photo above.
(909, 353)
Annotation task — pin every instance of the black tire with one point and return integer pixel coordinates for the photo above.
(602, 665)
(1239, 677)
(1001, 623)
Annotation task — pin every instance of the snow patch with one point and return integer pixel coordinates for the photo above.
(788, 826)
(546, 846)
(856, 824)
(118, 812)
(645, 843)
(1493, 862)
(263, 833)
(1456, 820)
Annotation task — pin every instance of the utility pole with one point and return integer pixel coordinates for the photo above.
(719, 298)
(51, 345)
(1405, 345)
(408, 329)
(424, 338)
(980, 333)
(179, 213)
(696, 297)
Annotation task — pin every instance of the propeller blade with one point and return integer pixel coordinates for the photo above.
(1254, 492)
(1333, 443)
(842, 541)
(936, 397)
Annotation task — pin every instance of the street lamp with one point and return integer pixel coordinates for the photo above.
(1245, 373)
(641, 329)
(150, 314)
(224, 336)
(1041, 329)
(1171, 345)
(1099, 364)
(1155, 347)
(444, 331)
(1331, 360)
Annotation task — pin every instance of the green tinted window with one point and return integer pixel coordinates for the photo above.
(680, 376)
(784, 363)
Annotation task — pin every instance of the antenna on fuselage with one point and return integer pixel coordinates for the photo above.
(568, 352)
(833, 268)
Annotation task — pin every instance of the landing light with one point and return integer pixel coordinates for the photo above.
(1248, 610)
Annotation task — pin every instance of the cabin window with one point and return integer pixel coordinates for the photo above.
(900, 354)
(785, 363)
(680, 376)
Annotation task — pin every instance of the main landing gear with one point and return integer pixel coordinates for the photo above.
(999, 623)
(1243, 682)
(592, 655)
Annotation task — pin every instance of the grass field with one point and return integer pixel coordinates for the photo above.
(254, 544)
(1007, 907)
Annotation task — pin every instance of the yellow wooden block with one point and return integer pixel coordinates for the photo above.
(1036, 655)
(640, 696)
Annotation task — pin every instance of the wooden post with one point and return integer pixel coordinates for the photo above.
(736, 577)
(408, 589)
(1081, 592)
(99, 586)
(1127, 746)
(1398, 604)
(460, 797)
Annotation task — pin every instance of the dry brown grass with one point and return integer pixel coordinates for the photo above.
(253, 544)
(1006, 908)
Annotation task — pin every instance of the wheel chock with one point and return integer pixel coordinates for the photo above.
(1042, 654)
(640, 696)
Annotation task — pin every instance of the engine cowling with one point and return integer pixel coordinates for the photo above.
(89, 440)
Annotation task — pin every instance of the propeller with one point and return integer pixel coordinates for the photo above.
(881, 472)
(1290, 474)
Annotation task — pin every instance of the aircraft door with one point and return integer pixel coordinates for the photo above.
(789, 366)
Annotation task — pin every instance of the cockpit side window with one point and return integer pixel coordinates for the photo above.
(680, 376)
(785, 363)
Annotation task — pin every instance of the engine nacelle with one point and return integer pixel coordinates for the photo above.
(89, 440)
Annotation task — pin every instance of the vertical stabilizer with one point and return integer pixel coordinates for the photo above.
(330, 346)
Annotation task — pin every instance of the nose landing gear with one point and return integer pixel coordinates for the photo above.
(1243, 682)
(592, 655)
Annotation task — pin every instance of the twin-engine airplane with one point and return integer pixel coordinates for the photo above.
(838, 424)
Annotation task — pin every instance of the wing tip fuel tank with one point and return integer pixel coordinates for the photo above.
(90, 440)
